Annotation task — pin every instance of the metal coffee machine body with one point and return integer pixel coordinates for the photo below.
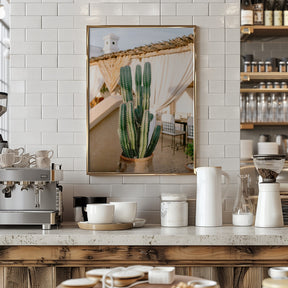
(30, 196)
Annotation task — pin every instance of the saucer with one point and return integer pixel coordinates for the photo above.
(139, 222)
(79, 283)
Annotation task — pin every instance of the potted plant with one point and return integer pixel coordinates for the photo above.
(135, 118)
(189, 151)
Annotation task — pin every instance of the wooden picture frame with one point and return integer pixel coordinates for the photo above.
(141, 99)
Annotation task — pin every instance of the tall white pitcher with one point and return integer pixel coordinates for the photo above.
(209, 196)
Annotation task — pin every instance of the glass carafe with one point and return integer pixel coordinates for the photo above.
(242, 214)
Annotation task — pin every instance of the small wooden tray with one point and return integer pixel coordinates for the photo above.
(104, 227)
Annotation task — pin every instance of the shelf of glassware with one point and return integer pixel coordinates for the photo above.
(263, 90)
(250, 76)
(263, 31)
(250, 126)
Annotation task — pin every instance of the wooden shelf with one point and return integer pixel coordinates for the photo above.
(250, 126)
(249, 76)
(248, 32)
(263, 90)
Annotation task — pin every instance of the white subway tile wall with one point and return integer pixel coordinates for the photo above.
(48, 90)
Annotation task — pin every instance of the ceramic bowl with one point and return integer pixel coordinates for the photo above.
(125, 212)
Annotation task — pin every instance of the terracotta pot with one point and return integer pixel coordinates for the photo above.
(136, 165)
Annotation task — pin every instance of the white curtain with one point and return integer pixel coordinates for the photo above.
(171, 75)
(96, 81)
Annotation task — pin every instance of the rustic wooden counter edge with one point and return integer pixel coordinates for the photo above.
(225, 254)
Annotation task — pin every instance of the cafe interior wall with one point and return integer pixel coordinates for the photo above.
(47, 95)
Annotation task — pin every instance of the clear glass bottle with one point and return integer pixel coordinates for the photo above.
(264, 108)
(284, 107)
(242, 108)
(280, 109)
(269, 104)
(259, 109)
(246, 12)
(242, 214)
(252, 108)
(274, 108)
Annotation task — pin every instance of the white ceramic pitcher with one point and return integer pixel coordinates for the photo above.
(209, 196)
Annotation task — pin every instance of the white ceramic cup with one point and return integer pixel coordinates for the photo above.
(125, 212)
(43, 162)
(100, 213)
(9, 159)
(18, 151)
(45, 153)
(246, 149)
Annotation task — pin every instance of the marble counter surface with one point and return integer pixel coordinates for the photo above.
(70, 234)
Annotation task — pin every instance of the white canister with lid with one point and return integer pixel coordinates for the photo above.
(174, 210)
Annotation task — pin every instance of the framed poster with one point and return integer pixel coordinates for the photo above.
(141, 100)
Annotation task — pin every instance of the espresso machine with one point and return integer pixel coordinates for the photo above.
(31, 196)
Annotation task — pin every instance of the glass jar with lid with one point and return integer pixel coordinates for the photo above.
(268, 66)
(174, 210)
(261, 66)
(254, 66)
(247, 66)
(282, 66)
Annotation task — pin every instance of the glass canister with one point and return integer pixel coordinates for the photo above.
(174, 210)
(242, 214)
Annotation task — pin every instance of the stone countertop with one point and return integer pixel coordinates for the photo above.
(154, 235)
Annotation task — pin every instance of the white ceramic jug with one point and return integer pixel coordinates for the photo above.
(209, 196)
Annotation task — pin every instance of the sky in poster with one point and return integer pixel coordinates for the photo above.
(131, 37)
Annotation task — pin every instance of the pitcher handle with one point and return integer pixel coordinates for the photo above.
(51, 152)
(18, 162)
(20, 151)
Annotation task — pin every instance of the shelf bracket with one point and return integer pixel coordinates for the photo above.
(247, 30)
(245, 77)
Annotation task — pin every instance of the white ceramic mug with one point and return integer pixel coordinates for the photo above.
(18, 151)
(125, 212)
(43, 162)
(9, 159)
(45, 153)
(100, 213)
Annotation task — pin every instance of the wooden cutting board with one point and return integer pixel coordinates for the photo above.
(104, 227)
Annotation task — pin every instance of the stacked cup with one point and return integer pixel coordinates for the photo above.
(114, 212)
(10, 157)
(43, 158)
